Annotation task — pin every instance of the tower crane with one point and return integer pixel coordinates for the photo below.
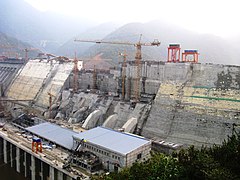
(138, 56)
(10, 52)
(124, 66)
(16, 48)
(75, 74)
(26, 50)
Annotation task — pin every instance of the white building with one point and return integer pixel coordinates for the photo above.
(115, 149)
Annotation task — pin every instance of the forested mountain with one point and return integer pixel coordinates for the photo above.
(44, 30)
(97, 32)
(54, 33)
(12, 47)
(212, 49)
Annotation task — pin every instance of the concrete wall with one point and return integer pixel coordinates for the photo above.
(211, 75)
(133, 156)
(37, 79)
(195, 104)
(201, 107)
(30, 165)
(106, 82)
(110, 159)
(107, 157)
(7, 74)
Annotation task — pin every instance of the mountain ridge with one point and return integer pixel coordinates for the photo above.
(212, 49)
(22, 21)
(12, 47)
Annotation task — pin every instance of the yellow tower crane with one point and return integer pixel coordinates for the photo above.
(124, 66)
(27, 50)
(75, 74)
(138, 57)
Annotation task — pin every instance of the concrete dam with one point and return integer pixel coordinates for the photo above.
(194, 103)
(180, 104)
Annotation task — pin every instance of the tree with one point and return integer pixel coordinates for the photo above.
(216, 163)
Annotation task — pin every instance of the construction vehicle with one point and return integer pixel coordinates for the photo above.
(138, 57)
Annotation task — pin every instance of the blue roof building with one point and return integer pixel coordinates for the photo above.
(54, 133)
(115, 149)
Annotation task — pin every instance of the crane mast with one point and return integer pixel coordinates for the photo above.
(94, 78)
(26, 50)
(138, 57)
(124, 65)
(75, 74)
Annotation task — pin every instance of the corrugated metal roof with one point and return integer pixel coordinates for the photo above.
(113, 140)
(54, 133)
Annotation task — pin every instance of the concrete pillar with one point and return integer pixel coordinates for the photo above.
(69, 178)
(18, 160)
(41, 173)
(11, 157)
(33, 167)
(5, 151)
(45, 171)
(60, 175)
(128, 88)
(1, 148)
(25, 164)
(51, 173)
(145, 70)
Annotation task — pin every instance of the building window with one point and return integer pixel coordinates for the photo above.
(139, 156)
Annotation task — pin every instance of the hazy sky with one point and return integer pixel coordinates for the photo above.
(219, 17)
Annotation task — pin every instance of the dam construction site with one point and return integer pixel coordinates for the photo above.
(65, 118)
